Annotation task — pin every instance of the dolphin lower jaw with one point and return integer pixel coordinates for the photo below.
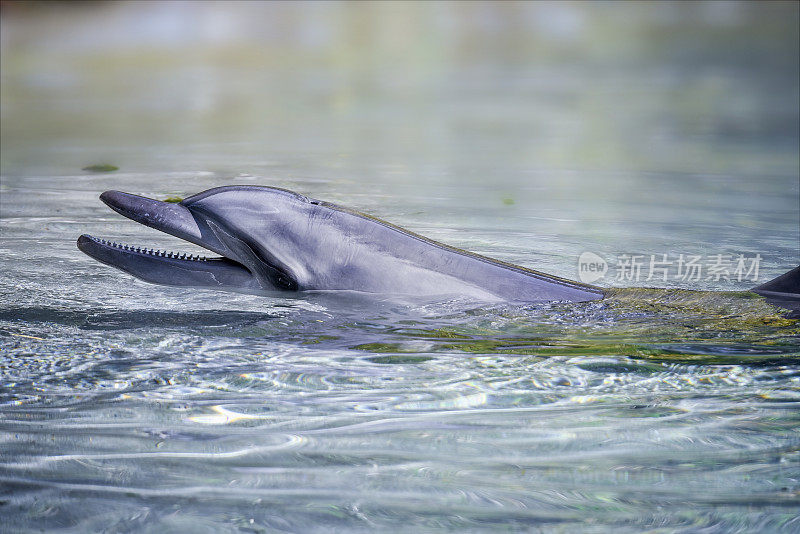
(169, 268)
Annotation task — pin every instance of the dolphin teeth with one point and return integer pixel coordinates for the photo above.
(151, 251)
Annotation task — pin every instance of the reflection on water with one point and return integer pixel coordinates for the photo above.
(529, 132)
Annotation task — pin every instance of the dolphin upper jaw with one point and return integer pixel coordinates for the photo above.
(174, 219)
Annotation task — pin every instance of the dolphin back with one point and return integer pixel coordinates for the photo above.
(783, 291)
(413, 251)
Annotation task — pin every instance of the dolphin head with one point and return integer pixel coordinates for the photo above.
(258, 232)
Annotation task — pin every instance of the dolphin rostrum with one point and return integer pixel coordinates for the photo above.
(271, 239)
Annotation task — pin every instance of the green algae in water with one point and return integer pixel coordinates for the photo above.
(660, 325)
(174, 199)
(101, 167)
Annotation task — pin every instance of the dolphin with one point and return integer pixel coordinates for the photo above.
(270, 239)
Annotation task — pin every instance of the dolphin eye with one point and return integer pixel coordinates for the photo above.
(285, 282)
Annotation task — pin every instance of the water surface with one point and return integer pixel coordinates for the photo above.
(659, 129)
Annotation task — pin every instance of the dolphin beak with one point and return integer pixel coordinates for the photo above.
(167, 268)
(174, 219)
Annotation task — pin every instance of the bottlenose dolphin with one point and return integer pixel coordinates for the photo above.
(272, 239)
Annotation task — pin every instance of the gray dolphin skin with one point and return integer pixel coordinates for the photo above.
(271, 239)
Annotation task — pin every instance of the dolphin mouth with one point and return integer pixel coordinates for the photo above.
(165, 267)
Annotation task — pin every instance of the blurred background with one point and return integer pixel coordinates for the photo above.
(619, 127)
